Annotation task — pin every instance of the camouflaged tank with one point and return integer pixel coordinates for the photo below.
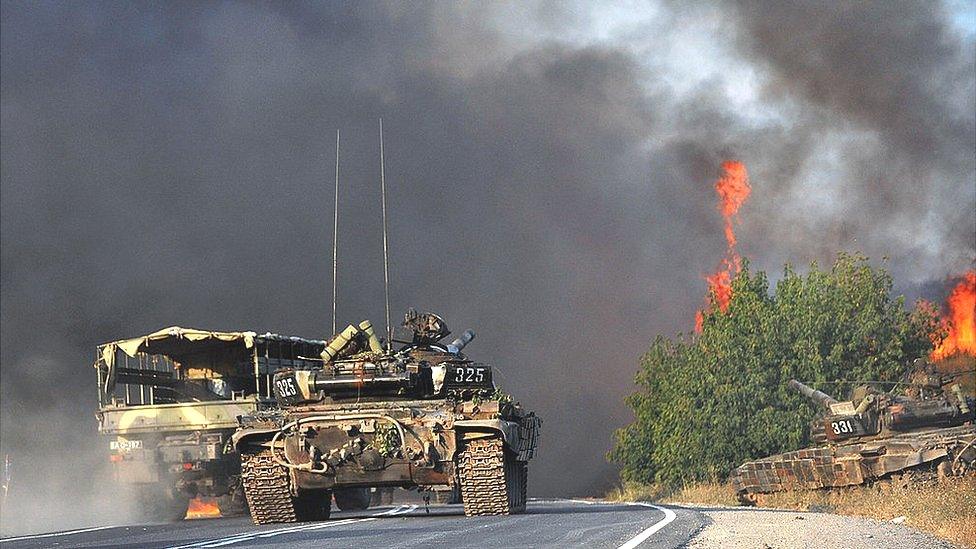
(420, 416)
(872, 436)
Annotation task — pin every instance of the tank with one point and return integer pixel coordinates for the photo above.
(873, 435)
(371, 416)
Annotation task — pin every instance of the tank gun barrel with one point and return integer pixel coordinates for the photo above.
(461, 342)
(816, 396)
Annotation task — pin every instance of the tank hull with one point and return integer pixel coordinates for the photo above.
(951, 450)
(480, 448)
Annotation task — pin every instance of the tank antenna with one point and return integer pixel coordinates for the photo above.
(386, 257)
(335, 238)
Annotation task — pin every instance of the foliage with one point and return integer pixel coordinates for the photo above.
(386, 441)
(502, 397)
(707, 402)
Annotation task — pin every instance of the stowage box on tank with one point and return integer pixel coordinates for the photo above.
(870, 437)
(423, 415)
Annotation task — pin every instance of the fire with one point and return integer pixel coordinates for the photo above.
(200, 507)
(961, 320)
(733, 189)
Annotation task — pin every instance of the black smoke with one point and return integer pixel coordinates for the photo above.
(899, 74)
(172, 164)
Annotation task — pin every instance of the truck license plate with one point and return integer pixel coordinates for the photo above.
(125, 445)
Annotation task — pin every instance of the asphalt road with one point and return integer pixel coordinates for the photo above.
(548, 523)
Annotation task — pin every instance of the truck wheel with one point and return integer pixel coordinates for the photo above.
(352, 499)
(233, 504)
(267, 487)
(160, 502)
(492, 481)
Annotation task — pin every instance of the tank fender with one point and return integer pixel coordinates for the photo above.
(925, 456)
(471, 429)
(252, 437)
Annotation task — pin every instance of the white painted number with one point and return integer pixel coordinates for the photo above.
(286, 387)
(842, 427)
(469, 375)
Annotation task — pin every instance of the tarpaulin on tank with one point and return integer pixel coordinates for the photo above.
(174, 342)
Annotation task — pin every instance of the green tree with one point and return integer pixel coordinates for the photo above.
(707, 402)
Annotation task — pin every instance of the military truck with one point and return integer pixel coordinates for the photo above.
(423, 415)
(169, 403)
(874, 435)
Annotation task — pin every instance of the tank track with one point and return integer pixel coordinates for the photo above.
(523, 476)
(267, 488)
(492, 483)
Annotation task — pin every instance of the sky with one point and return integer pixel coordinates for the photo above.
(549, 164)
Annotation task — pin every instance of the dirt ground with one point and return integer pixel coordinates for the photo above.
(751, 528)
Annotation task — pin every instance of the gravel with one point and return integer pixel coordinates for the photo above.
(733, 528)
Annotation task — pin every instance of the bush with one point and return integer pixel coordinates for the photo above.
(707, 402)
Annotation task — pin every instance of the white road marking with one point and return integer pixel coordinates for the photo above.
(249, 536)
(641, 537)
(55, 534)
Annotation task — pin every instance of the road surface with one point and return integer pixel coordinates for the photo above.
(548, 523)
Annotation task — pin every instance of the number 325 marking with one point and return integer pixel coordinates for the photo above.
(286, 387)
(470, 375)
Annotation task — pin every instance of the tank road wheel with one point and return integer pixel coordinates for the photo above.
(751, 499)
(492, 482)
(382, 496)
(268, 491)
(314, 505)
(352, 499)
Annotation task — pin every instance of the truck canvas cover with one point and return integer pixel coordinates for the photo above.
(175, 342)
(206, 353)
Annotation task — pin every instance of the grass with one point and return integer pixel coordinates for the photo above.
(705, 493)
(946, 508)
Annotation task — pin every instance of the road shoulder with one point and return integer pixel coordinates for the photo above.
(738, 527)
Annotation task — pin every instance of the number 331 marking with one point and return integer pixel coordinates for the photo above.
(842, 427)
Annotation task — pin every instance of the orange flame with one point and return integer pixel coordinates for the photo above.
(961, 320)
(200, 507)
(733, 189)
